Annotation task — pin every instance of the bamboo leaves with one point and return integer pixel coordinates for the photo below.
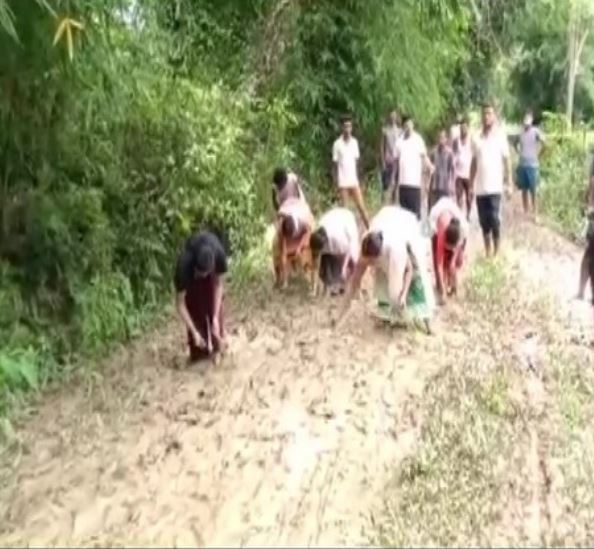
(67, 27)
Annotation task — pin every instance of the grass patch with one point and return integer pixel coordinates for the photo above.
(450, 492)
(476, 477)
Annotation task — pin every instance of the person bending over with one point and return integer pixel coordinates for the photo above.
(449, 233)
(335, 249)
(198, 279)
(294, 225)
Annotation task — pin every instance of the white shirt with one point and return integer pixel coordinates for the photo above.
(343, 235)
(410, 153)
(490, 151)
(399, 227)
(463, 158)
(446, 204)
(345, 154)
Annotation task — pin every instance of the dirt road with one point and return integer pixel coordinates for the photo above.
(288, 441)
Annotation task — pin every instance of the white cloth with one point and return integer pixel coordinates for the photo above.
(410, 151)
(345, 154)
(463, 158)
(446, 204)
(343, 235)
(400, 228)
(298, 209)
(490, 151)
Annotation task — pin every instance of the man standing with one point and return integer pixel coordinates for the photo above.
(345, 156)
(527, 174)
(489, 168)
(587, 265)
(412, 155)
(462, 160)
(390, 135)
(442, 159)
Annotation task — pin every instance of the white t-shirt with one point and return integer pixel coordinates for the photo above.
(463, 157)
(490, 151)
(410, 153)
(345, 154)
(343, 235)
(399, 227)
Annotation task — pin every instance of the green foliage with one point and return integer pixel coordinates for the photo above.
(144, 121)
(564, 176)
(107, 163)
(486, 282)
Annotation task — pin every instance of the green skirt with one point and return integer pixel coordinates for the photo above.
(417, 306)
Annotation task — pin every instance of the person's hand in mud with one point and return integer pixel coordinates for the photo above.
(198, 341)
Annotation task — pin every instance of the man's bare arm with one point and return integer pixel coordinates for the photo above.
(352, 288)
(508, 173)
(472, 171)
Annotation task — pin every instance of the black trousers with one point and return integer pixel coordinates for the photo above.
(410, 199)
(488, 207)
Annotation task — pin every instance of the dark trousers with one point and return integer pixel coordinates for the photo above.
(488, 207)
(410, 199)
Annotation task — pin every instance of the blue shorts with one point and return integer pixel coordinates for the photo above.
(527, 178)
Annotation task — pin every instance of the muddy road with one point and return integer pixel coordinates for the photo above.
(288, 441)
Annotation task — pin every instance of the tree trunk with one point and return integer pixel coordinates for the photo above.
(577, 34)
(571, 70)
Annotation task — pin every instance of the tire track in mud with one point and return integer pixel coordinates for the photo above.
(545, 260)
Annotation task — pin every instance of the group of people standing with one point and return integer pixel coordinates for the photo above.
(336, 251)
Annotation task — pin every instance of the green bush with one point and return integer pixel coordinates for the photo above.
(563, 176)
(107, 164)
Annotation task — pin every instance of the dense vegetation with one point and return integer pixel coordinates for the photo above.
(126, 124)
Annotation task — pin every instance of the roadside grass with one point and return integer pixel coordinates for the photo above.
(504, 455)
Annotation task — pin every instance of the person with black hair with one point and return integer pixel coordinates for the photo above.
(442, 179)
(335, 249)
(285, 184)
(290, 248)
(199, 293)
(390, 135)
(462, 149)
(412, 157)
(449, 233)
(490, 173)
(529, 147)
(393, 247)
(345, 158)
